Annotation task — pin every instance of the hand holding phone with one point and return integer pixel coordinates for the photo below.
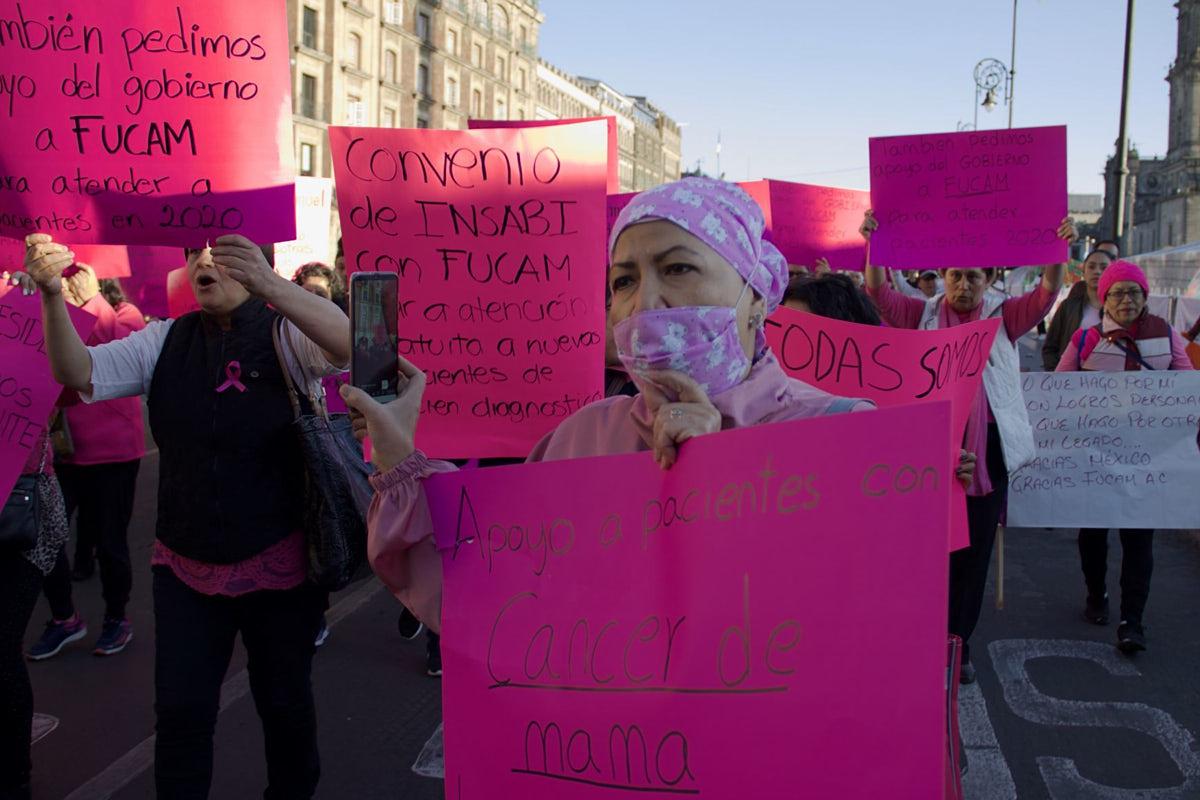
(374, 324)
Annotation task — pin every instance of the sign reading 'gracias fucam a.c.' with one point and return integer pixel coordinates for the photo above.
(145, 123)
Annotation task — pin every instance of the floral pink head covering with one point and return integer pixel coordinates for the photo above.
(725, 218)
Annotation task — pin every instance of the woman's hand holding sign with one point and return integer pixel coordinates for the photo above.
(693, 414)
(392, 427)
(45, 261)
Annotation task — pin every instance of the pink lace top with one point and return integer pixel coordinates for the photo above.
(280, 566)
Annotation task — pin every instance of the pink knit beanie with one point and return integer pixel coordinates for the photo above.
(1119, 271)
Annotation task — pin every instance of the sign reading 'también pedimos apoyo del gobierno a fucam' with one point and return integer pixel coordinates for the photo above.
(972, 199)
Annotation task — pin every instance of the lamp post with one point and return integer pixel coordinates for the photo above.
(990, 75)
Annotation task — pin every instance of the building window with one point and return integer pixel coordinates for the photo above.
(356, 110)
(389, 66)
(422, 121)
(477, 55)
(524, 37)
(309, 25)
(501, 22)
(502, 68)
(389, 118)
(423, 79)
(423, 27)
(307, 158)
(393, 12)
(452, 92)
(476, 103)
(522, 83)
(354, 50)
(520, 113)
(308, 96)
(501, 108)
(452, 42)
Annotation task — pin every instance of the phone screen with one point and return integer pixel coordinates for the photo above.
(374, 367)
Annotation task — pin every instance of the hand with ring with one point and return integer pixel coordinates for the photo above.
(676, 421)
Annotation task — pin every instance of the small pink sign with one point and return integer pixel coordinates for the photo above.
(27, 389)
(810, 222)
(972, 199)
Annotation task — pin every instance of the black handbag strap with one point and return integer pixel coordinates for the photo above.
(299, 401)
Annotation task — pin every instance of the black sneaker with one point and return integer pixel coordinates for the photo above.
(1130, 637)
(1095, 610)
(408, 626)
(433, 656)
(966, 674)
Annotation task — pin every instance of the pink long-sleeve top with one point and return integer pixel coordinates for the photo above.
(1021, 314)
(111, 431)
(1179, 357)
(400, 528)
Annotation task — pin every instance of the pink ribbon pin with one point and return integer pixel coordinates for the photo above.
(233, 371)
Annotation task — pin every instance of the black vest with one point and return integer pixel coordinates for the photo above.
(231, 476)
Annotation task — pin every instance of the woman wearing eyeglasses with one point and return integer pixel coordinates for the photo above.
(1127, 338)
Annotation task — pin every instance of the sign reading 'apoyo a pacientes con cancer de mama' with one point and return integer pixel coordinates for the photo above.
(611, 629)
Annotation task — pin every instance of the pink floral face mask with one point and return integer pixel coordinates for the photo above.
(700, 341)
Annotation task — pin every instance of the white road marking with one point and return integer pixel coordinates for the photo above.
(1061, 776)
(988, 776)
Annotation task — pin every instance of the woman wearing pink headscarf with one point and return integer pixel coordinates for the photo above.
(1127, 338)
(692, 281)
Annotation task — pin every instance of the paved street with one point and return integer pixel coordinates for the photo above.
(1057, 713)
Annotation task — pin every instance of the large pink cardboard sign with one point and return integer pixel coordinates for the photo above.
(972, 199)
(893, 367)
(810, 222)
(614, 162)
(498, 238)
(107, 261)
(146, 123)
(27, 390)
(609, 628)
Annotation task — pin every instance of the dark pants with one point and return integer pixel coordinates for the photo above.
(20, 582)
(194, 641)
(1137, 564)
(103, 496)
(969, 566)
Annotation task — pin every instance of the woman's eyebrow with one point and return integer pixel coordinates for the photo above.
(684, 248)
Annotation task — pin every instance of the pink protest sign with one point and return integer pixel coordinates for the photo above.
(498, 239)
(810, 222)
(12, 254)
(180, 297)
(146, 287)
(712, 630)
(153, 123)
(27, 390)
(892, 367)
(614, 161)
(972, 199)
(107, 261)
(615, 203)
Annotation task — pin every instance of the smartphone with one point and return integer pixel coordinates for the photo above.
(374, 310)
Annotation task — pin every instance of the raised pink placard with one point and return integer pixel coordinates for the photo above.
(106, 260)
(497, 236)
(810, 222)
(146, 123)
(611, 629)
(971, 199)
